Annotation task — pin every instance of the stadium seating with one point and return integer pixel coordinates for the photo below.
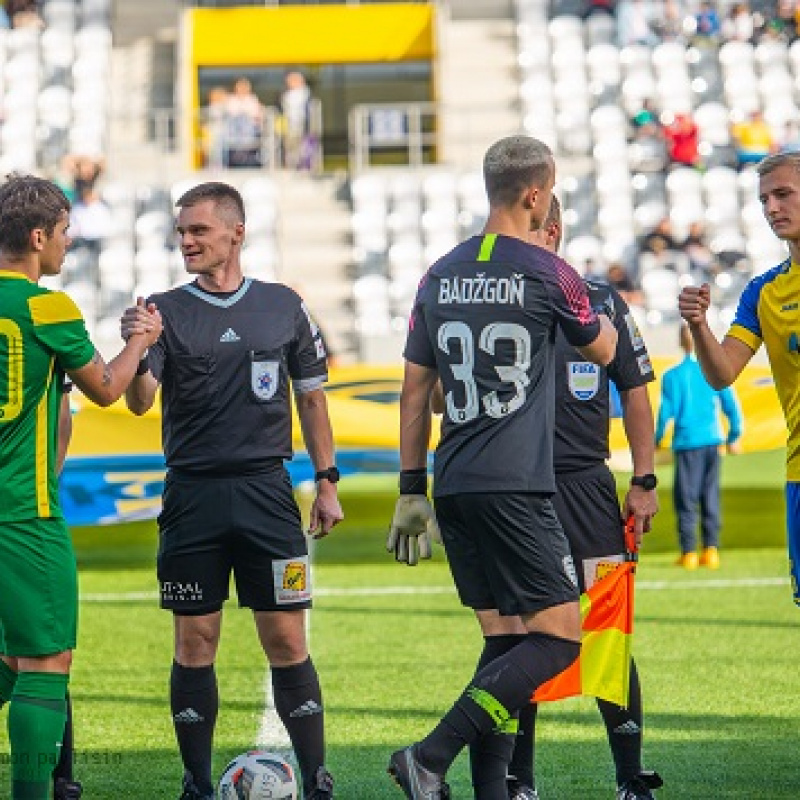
(578, 90)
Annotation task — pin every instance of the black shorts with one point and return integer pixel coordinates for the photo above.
(506, 551)
(588, 508)
(249, 525)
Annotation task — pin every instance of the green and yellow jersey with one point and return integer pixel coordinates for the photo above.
(42, 334)
(769, 312)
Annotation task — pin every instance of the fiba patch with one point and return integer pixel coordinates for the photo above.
(264, 378)
(595, 569)
(583, 379)
(291, 580)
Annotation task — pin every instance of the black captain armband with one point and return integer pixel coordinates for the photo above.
(144, 364)
(414, 481)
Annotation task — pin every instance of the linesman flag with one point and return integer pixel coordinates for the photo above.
(603, 668)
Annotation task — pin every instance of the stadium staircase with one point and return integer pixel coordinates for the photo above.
(313, 237)
(477, 79)
(143, 83)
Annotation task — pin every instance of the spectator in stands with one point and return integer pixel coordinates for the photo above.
(90, 223)
(619, 278)
(786, 17)
(24, 14)
(753, 139)
(244, 121)
(661, 250)
(669, 26)
(296, 120)
(648, 152)
(683, 140)
(635, 23)
(738, 25)
(708, 26)
(64, 177)
(660, 238)
(87, 172)
(214, 127)
(790, 138)
(701, 258)
(646, 115)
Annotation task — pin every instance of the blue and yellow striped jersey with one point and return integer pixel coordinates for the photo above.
(769, 312)
(42, 334)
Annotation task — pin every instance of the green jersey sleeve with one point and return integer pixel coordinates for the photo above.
(59, 325)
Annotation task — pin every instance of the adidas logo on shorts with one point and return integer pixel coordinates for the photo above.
(230, 335)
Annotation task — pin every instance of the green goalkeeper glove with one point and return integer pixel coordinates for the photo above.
(413, 529)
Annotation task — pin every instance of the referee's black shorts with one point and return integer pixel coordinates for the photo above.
(248, 525)
(588, 508)
(506, 551)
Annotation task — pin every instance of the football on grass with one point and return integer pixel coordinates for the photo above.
(258, 775)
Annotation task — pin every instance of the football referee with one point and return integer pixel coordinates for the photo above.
(231, 352)
(484, 322)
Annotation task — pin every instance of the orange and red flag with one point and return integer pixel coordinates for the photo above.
(603, 668)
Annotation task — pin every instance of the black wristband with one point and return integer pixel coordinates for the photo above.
(144, 365)
(414, 481)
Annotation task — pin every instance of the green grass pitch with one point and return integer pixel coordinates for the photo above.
(716, 654)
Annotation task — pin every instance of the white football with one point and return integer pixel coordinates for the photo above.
(258, 775)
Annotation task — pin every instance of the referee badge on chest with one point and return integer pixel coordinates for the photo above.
(264, 377)
(583, 379)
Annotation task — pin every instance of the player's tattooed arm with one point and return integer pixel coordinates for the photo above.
(105, 383)
(97, 359)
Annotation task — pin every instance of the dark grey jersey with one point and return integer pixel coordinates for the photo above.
(582, 391)
(226, 364)
(485, 318)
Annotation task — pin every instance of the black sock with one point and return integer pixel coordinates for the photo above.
(490, 754)
(523, 758)
(497, 692)
(194, 700)
(298, 702)
(64, 767)
(624, 727)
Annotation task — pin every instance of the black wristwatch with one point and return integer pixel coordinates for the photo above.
(331, 474)
(647, 482)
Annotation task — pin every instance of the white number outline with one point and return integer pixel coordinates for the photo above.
(463, 371)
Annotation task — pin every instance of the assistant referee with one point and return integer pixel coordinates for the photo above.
(231, 350)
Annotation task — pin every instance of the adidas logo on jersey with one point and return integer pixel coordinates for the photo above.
(230, 335)
(307, 709)
(188, 716)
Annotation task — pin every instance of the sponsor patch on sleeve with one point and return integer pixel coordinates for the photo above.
(291, 580)
(645, 365)
(637, 341)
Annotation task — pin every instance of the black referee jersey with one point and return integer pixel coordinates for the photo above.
(225, 363)
(485, 318)
(582, 391)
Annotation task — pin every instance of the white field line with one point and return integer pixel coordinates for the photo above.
(387, 591)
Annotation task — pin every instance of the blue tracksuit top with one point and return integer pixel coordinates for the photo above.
(687, 397)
